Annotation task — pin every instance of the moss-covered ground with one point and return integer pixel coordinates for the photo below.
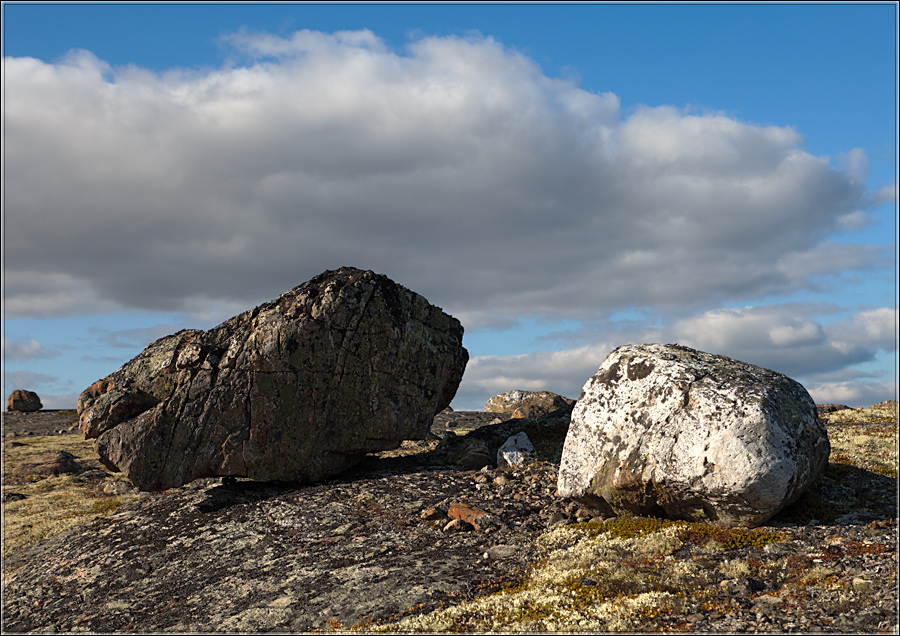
(638, 574)
(53, 504)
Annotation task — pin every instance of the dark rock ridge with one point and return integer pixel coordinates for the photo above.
(24, 401)
(297, 389)
(669, 430)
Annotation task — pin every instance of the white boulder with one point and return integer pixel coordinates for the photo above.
(515, 451)
(668, 430)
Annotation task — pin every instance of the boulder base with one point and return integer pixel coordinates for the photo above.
(297, 389)
(668, 430)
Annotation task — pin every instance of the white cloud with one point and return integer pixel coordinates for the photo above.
(875, 328)
(31, 350)
(563, 372)
(777, 337)
(887, 194)
(855, 394)
(28, 380)
(457, 168)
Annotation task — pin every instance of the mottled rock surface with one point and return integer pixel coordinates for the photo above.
(664, 429)
(297, 389)
(24, 401)
(528, 404)
(515, 451)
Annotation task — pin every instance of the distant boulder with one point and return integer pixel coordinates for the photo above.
(831, 408)
(297, 389)
(528, 404)
(668, 430)
(24, 401)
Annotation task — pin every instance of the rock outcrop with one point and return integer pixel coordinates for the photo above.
(668, 430)
(297, 389)
(23, 401)
(528, 404)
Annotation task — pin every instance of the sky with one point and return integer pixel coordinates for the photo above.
(562, 178)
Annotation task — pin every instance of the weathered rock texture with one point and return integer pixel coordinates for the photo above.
(24, 401)
(528, 404)
(664, 429)
(296, 389)
(516, 451)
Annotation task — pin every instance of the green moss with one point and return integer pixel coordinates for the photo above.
(729, 538)
(105, 507)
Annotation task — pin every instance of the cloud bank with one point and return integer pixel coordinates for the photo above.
(819, 354)
(455, 166)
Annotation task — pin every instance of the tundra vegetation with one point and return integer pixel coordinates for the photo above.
(621, 574)
(624, 574)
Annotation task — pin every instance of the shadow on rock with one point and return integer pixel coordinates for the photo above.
(232, 493)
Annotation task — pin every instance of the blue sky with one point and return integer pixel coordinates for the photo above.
(564, 178)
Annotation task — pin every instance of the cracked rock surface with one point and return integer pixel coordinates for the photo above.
(297, 389)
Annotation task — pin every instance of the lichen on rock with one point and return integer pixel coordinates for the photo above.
(668, 430)
(296, 389)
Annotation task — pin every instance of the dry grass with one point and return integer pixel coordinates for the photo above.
(55, 504)
(621, 575)
(870, 414)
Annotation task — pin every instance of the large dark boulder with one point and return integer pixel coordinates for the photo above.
(297, 389)
(669, 430)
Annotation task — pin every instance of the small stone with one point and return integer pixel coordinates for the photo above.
(694, 618)
(465, 512)
(117, 488)
(557, 518)
(432, 514)
(860, 583)
(503, 551)
(13, 496)
(516, 451)
(458, 525)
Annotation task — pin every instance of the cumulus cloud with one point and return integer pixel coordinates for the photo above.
(887, 194)
(26, 380)
(783, 338)
(455, 166)
(855, 394)
(31, 350)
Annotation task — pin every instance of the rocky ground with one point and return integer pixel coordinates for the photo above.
(409, 542)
